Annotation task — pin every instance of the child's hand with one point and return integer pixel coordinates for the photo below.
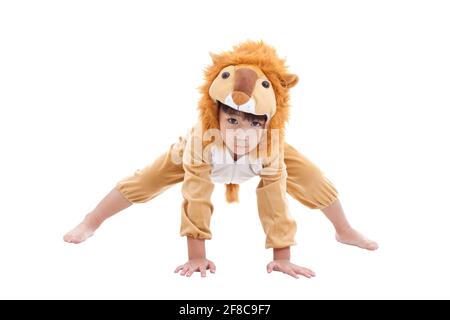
(289, 268)
(193, 265)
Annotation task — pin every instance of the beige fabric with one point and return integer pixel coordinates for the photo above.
(297, 176)
(273, 209)
(261, 100)
(305, 182)
(196, 189)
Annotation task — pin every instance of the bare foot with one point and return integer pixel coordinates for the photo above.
(81, 232)
(354, 238)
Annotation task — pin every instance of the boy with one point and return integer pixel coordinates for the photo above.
(240, 134)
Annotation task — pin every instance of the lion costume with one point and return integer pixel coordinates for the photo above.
(253, 79)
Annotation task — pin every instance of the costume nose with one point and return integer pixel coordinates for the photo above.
(239, 97)
(244, 85)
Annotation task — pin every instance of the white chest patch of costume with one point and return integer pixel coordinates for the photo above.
(226, 170)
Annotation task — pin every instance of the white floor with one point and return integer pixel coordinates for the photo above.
(134, 254)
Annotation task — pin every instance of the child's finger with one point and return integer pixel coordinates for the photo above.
(291, 273)
(305, 272)
(212, 267)
(185, 269)
(178, 268)
(312, 273)
(190, 272)
(203, 271)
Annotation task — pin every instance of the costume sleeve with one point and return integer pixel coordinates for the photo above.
(278, 225)
(196, 189)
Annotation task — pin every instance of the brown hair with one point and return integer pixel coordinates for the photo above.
(247, 116)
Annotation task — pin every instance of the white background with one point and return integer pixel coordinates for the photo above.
(90, 91)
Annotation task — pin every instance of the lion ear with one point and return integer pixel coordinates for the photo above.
(288, 80)
(214, 57)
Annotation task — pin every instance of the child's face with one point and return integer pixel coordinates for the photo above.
(239, 134)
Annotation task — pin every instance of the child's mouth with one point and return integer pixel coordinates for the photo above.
(241, 143)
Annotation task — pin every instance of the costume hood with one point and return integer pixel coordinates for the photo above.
(250, 78)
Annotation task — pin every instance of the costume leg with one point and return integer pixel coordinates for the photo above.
(142, 186)
(305, 182)
(147, 183)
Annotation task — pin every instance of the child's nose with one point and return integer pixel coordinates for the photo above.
(240, 135)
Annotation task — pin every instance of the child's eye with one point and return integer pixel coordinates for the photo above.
(232, 121)
(256, 124)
